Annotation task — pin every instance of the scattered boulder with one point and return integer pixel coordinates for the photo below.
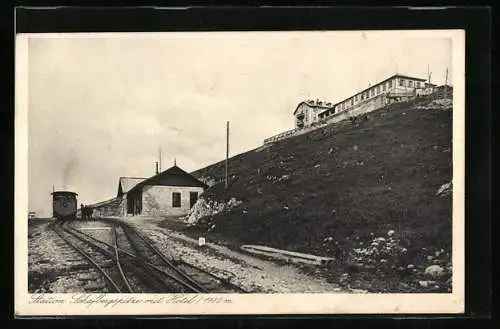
(203, 208)
(434, 271)
(445, 189)
(426, 284)
(208, 180)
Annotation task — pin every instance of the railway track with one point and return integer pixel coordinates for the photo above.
(193, 276)
(95, 255)
(138, 265)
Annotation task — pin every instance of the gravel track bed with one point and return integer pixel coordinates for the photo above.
(96, 230)
(54, 267)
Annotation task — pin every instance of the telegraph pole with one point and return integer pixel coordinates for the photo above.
(446, 84)
(429, 79)
(159, 151)
(227, 149)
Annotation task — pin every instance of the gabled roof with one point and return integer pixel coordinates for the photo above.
(314, 104)
(110, 202)
(173, 176)
(125, 184)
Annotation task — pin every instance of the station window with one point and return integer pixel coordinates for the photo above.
(410, 83)
(176, 200)
(378, 89)
(389, 84)
(401, 82)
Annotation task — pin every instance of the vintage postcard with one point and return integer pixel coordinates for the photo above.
(188, 173)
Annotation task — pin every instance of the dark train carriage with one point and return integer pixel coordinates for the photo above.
(64, 205)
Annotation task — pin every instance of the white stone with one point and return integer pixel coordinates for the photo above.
(434, 271)
(426, 284)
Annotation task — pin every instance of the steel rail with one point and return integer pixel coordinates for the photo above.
(118, 263)
(135, 257)
(215, 277)
(136, 268)
(99, 268)
(170, 265)
(173, 266)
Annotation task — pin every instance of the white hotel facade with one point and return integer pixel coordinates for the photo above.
(396, 88)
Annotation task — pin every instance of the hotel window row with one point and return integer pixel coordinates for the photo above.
(377, 90)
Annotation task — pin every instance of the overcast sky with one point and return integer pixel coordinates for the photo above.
(100, 106)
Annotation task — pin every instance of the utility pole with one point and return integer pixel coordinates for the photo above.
(159, 158)
(227, 149)
(429, 79)
(446, 84)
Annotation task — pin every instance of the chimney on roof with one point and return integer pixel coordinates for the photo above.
(156, 168)
(175, 162)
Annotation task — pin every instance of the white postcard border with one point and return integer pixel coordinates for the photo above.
(324, 303)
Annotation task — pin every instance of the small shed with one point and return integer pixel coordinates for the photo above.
(125, 184)
(170, 193)
(106, 208)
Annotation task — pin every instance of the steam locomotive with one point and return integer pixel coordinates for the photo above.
(64, 205)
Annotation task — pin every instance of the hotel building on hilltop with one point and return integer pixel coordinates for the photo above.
(396, 88)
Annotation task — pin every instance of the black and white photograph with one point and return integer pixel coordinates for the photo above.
(166, 171)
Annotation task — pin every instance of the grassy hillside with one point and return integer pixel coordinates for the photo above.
(339, 187)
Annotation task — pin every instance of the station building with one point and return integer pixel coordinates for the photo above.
(170, 193)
